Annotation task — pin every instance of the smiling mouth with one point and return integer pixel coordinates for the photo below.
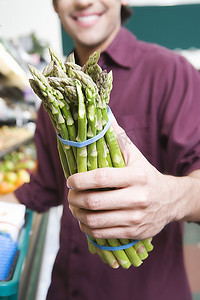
(86, 19)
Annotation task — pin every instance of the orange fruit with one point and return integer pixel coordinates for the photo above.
(6, 187)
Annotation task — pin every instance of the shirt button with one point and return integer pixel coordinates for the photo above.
(75, 293)
(76, 250)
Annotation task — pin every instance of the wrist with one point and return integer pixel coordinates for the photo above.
(185, 204)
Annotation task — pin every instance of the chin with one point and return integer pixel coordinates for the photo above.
(90, 43)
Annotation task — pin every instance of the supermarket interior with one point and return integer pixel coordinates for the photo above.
(26, 261)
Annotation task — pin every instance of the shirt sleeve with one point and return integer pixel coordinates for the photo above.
(180, 118)
(47, 186)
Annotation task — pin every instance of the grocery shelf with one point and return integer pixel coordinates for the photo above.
(16, 146)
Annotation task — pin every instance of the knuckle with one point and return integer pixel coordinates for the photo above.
(141, 176)
(101, 177)
(137, 218)
(128, 233)
(93, 201)
(78, 182)
(137, 176)
(90, 221)
(96, 234)
(144, 199)
(135, 234)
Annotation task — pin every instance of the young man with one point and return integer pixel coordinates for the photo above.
(155, 99)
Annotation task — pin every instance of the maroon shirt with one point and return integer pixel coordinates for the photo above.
(156, 99)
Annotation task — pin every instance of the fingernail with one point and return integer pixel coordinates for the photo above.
(68, 185)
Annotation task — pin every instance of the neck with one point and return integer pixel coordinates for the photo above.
(84, 53)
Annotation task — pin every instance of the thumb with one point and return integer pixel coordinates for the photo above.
(128, 149)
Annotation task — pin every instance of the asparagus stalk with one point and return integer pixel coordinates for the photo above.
(148, 245)
(104, 160)
(71, 58)
(141, 250)
(55, 58)
(63, 158)
(91, 247)
(107, 254)
(82, 130)
(91, 63)
(102, 257)
(121, 256)
(51, 100)
(49, 69)
(131, 253)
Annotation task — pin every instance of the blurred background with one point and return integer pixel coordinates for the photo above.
(27, 29)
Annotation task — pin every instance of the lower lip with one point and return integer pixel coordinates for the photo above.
(87, 23)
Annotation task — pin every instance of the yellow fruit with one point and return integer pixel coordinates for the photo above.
(10, 177)
(1, 176)
(22, 177)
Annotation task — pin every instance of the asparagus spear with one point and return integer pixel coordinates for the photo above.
(63, 158)
(71, 58)
(121, 256)
(49, 69)
(148, 245)
(55, 58)
(51, 101)
(108, 255)
(91, 62)
(141, 250)
(131, 253)
(82, 130)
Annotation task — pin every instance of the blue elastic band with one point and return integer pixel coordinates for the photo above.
(109, 248)
(93, 139)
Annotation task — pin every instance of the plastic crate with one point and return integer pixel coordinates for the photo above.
(9, 287)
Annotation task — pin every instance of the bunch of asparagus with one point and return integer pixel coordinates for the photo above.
(76, 99)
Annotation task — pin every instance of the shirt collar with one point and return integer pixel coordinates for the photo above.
(122, 48)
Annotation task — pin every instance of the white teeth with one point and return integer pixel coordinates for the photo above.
(88, 18)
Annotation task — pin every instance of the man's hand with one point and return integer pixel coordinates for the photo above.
(135, 202)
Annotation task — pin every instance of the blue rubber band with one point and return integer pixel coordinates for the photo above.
(93, 139)
(109, 248)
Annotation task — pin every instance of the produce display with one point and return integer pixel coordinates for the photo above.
(11, 70)
(16, 167)
(12, 135)
(76, 99)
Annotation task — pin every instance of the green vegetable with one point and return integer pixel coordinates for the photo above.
(76, 100)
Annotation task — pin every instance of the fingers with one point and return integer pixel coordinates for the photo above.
(107, 178)
(99, 178)
(107, 233)
(107, 219)
(133, 224)
(93, 200)
(117, 232)
(104, 178)
(102, 224)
